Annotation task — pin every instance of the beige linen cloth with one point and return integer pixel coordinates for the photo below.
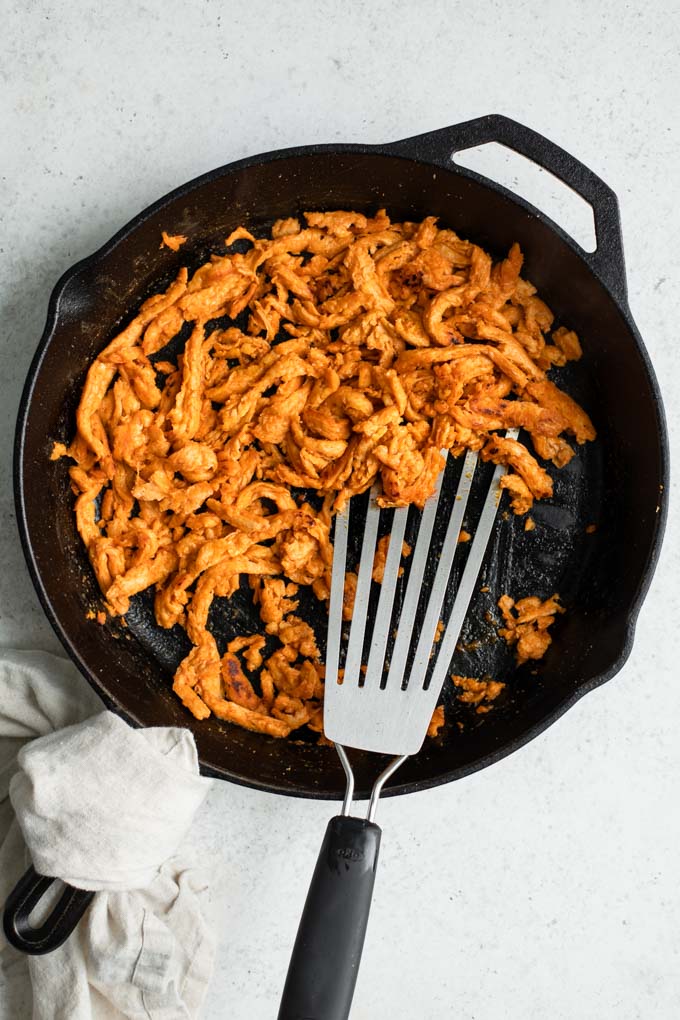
(102, 806)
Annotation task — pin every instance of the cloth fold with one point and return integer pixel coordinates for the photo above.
(102, 806)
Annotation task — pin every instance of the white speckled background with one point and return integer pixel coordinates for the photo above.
(548, 885)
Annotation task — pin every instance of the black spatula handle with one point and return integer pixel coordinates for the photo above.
(56, 928)
(325, 961)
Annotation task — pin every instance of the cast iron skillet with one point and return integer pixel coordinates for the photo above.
(618, 484)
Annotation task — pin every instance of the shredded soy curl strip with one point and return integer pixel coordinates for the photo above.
(367, 347)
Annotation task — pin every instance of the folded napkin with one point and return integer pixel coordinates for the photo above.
(103, 807)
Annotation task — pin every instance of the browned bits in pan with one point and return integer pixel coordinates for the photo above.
(480, 693)
(526, 624)
(172, 241)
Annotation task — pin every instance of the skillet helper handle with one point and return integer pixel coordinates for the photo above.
(439, 147)
(56, 928)
(327, 952)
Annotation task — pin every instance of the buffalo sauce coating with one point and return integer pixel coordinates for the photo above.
(365, 347)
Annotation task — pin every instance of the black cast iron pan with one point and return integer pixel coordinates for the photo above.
(618, 484)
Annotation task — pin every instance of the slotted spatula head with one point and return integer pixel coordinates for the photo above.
(385, 704)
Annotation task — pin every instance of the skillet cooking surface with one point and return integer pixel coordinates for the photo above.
(612, 483)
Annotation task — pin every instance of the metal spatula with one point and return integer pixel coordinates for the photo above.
(380, 705)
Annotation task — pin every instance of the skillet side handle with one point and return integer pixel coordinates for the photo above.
(56, 928)
(325, 961)
(439, 147)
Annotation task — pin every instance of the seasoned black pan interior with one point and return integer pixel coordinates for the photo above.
(612, 483)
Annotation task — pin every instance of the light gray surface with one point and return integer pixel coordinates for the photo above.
(548, 885)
